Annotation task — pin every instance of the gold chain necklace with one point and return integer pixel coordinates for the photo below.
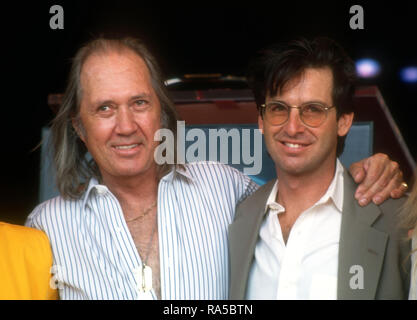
(144, 213)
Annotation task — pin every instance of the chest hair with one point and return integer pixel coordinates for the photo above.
(145, 236)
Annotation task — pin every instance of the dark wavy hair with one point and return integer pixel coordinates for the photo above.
(276, 65)
(73, 169)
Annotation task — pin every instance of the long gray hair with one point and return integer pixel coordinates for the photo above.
(69, 152)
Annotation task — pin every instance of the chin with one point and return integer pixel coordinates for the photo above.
(295, 168)
(140, 169)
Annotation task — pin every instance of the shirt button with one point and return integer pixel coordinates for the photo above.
(101, 190)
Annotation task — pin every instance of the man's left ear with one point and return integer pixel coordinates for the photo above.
(76, 125)
(344, 123)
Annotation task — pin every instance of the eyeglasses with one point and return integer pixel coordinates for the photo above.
(312, 114)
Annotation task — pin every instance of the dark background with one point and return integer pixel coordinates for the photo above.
(198, 37)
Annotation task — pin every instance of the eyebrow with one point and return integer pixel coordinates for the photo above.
(140, 96)
(135, 97)
(304, 102)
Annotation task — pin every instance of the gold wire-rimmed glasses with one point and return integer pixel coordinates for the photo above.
(312, 114)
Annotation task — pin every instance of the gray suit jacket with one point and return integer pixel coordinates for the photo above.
(368, 238)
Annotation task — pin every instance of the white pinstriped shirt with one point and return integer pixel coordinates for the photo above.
(95, 256)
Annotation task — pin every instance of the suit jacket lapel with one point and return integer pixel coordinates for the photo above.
(361, 248)
(243, 236)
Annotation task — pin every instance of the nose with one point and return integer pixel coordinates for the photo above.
(126, 124)
(294, 124)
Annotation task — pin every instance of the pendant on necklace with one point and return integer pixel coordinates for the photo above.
(143, 277)
(145, 280)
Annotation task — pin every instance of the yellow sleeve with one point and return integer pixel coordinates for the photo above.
(25, 264)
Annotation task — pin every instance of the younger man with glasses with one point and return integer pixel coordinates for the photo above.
(303, 236)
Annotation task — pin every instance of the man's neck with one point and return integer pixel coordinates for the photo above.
(297, 193)
(134, 192)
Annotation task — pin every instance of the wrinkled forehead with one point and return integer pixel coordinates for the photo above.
(104, 75)
(113, 62)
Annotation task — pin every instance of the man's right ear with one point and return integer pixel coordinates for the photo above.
(76, 125)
